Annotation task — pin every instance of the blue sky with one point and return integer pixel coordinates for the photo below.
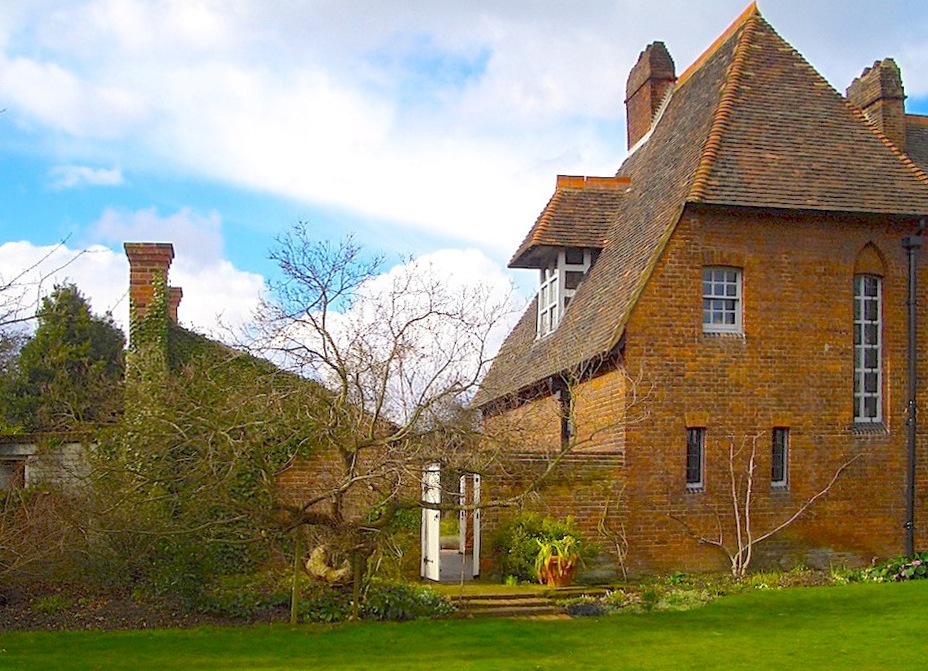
(419, 126)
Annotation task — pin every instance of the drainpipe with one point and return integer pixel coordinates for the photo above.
(911, 244)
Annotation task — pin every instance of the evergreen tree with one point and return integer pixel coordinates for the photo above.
(69, 374)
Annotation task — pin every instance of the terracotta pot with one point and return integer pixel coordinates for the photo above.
(555, 576)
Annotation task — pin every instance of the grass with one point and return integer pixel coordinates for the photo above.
(861, 626)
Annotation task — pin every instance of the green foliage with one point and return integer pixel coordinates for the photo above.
(516, 544)
(899, 569)
(69, 373)
(194, 465)
(383, 601)
(556, 557)
(245, 597)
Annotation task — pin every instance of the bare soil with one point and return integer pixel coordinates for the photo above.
(71, 608)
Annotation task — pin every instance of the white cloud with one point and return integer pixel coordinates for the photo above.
(196, 238)
(70, 176)
(447, 117)
(213, 288)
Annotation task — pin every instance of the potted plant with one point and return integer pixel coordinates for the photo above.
(557, 561)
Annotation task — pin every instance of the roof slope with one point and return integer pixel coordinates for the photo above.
(916, 139)
(785, 138)
(750, 124)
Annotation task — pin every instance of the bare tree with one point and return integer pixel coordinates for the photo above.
(737, 530)
(22, 291)
(396, 357)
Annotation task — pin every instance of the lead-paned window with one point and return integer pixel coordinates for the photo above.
(779, 462)
(868, 344)
(695, 457)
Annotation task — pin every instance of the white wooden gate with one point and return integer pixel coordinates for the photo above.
(430, 568)
(431, 523)
(476, 518)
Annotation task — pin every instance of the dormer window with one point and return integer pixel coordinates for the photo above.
(559, 281)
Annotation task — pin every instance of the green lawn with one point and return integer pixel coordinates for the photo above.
(866, 626)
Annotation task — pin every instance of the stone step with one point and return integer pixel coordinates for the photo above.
(530, 604)
(500, 596)
(512, 610)
(477, 604)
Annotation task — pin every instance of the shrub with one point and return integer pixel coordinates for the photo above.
(516, 543)
(899, 569)
(383, 601)
(244, 596)
(400, 601)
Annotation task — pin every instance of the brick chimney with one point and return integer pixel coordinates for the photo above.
(174, 296)
(648, 84)
(148, 260)
(879, 93)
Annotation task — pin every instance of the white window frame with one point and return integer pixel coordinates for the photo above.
(553, 294)
(697, 434)
(782, 433)
(868, 349)
(548, 301)
(721, 298)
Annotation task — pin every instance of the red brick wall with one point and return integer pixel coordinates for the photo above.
(792, 367)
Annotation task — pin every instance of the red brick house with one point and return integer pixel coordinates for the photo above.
(740, 283)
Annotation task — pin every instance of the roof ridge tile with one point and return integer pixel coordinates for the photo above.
(724, 108)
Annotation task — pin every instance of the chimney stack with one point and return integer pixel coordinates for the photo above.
(174, 296)
(648, 84)
(879, 93)
(148, 260)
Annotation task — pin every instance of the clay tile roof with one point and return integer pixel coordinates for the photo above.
(916, 138)
(579, 214)
(750, 124)
(784, 138)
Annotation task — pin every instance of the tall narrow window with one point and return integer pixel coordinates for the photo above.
(565, 406)
(780, 458)
(721, 300)
(868, 355)
(695, 458)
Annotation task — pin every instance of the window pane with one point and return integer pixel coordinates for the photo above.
(721, 292)
(573, 255)
(779, 456)
(573, 279)
(870, 358)
(694, 455)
